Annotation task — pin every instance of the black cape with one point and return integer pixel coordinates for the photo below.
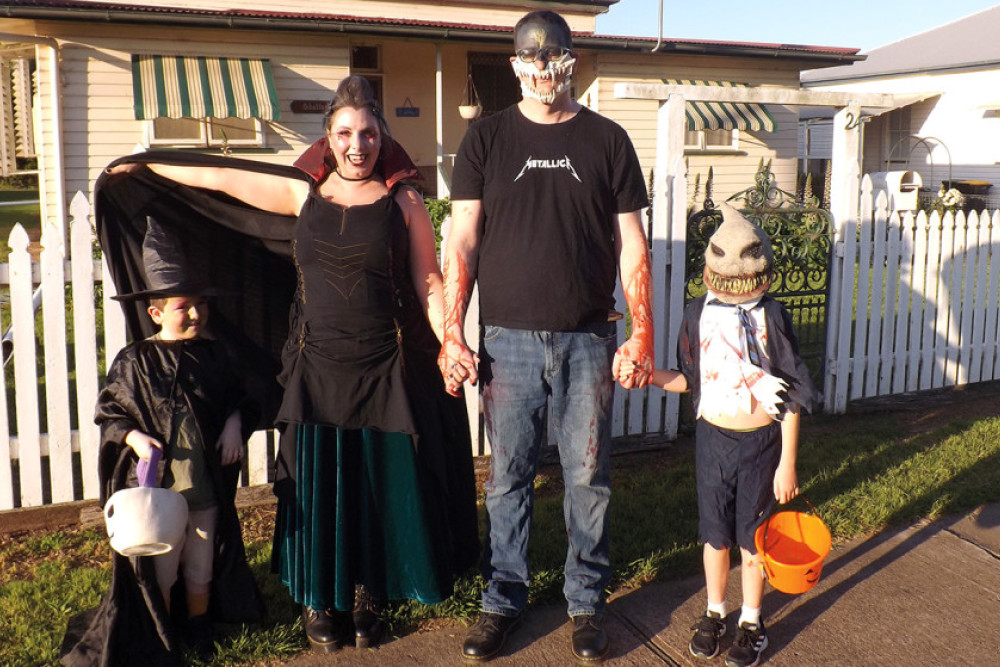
(148, 384)
(239, 250)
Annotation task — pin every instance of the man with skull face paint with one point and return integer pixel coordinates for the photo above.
(546, 201)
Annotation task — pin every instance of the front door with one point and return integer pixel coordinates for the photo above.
(494, 80)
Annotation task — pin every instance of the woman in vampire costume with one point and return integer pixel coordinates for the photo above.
(374, 478)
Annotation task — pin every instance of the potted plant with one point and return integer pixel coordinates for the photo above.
(471, 107)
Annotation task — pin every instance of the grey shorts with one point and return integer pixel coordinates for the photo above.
(735, 477)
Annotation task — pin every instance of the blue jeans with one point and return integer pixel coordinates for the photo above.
(535, 382)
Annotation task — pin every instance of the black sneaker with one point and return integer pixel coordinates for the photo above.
(751, 640)
(708, 629)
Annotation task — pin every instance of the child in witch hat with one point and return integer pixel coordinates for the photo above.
(178, 392)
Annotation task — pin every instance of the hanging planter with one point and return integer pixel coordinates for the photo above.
(471, 107)
(470, 111)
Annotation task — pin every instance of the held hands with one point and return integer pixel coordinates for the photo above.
(633, 364)
(230, 443)
(142, 443)
(626, 371)
(457, 363)
(786, 483)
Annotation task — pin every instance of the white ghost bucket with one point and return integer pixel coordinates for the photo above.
(145, 520)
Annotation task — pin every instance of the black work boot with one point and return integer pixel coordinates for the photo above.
(590, 642)
(486, 637)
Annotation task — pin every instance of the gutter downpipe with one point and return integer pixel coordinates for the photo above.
(59, 177)
(659, 39)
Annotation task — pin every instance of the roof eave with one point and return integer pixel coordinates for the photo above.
(484, 34)
(819, 54)
(901, 72)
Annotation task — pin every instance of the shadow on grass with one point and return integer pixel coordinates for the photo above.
(654, 524)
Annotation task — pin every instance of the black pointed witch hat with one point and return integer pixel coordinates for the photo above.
(167, 271)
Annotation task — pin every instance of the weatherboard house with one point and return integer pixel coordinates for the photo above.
(946, 123)
(84, 82)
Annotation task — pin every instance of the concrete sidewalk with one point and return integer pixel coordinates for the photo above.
(925, 595)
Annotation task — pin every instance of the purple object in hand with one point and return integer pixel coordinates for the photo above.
(146, 470)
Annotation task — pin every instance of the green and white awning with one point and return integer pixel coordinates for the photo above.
(724, 115)
(203, 87)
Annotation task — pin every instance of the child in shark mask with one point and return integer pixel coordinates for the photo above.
(739, 358)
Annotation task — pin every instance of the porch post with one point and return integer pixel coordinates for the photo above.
(442, 185)
(844, 202)
(669, 241)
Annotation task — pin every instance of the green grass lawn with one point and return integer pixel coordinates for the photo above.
(26, 214)
(862, 472)
(18, 195)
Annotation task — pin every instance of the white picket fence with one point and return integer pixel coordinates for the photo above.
(924, 313)
(920, 312)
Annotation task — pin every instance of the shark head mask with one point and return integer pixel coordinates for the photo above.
(739, 261)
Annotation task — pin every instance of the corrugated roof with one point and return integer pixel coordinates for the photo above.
(967, 42)
(320, 22)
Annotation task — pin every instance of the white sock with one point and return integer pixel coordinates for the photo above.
(749, 615)
(718, 607)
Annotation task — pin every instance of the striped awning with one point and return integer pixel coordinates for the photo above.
(724, 115)
(202, 87)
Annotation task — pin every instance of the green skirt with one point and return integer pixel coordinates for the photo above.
(358, 517)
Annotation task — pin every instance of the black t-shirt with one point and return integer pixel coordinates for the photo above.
(550, 195)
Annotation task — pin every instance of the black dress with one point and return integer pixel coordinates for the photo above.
(247, 253)
(384, 493)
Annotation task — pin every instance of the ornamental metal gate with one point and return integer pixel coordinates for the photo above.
(801, 235)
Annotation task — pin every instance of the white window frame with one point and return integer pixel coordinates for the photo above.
(898, 127)
(205, 139)
(704, 147)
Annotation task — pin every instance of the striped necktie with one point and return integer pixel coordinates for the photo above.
(753, 351)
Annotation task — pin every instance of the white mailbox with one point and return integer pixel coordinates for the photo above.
(901, 187)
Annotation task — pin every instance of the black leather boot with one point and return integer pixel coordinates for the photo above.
(368, 625)
(486, 637)
(321, 629)
(590, 642)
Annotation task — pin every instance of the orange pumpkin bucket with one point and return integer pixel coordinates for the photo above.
(793, 546)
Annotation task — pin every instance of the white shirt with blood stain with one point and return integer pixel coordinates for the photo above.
(729, 382)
